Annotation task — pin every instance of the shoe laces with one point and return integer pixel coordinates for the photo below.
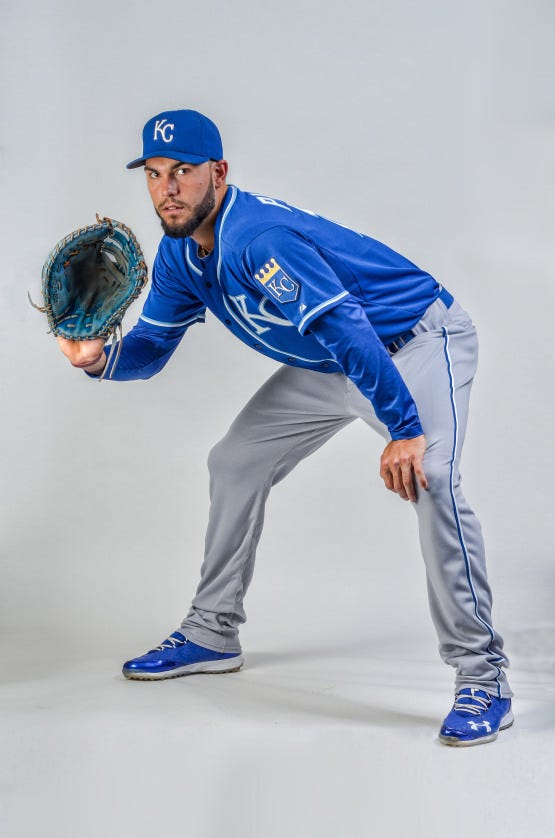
(474, 702)
(170, 643)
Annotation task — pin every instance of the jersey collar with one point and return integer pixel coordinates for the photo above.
(225, 209)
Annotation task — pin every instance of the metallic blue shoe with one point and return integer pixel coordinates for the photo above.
(178, 656)
(476, 717)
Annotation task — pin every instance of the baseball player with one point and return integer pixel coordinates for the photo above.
(360, 332)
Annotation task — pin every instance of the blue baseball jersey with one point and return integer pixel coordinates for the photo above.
(297, 287)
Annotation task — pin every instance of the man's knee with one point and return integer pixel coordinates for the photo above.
(441, 475)
(233, 458)
(223, 457)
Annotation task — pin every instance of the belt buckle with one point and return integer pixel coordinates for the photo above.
(399, 342)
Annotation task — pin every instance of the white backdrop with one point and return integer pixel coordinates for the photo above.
(428, 125)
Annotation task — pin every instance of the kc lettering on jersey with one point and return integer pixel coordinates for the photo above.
(262, 316)
(277, 283)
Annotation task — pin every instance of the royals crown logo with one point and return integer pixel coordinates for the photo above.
(267, 271)
(276, 282)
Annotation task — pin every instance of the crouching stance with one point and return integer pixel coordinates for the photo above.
(362, 333)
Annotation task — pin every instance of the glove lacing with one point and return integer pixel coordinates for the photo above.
(115, 342)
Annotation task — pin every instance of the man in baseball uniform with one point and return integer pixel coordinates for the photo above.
(360, 332)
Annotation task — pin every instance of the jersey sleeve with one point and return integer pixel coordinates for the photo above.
(169, 310)
(169, 304)
(350, 338)
(288, 270)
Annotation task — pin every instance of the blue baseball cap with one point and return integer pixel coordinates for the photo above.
(188, 136)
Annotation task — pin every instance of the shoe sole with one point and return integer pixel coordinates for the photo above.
(215, 668)
(506, 722)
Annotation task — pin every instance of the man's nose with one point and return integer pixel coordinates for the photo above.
(170, 186)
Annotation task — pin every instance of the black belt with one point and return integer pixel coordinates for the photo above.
(403, 339)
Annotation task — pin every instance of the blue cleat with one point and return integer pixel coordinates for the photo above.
(476, 717)
(178, 656)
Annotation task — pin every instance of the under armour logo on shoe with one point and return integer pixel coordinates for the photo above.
(477, 725)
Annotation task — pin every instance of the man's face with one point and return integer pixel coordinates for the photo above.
(183, 194)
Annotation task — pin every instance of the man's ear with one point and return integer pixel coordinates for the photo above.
(220, 169)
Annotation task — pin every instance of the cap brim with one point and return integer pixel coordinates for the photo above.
(182, 156)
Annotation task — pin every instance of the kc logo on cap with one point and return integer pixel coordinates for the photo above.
(161, 128)
(187, 136)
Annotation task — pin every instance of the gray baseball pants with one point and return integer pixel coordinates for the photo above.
(291, 416)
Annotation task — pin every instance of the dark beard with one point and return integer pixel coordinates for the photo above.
(201, 212)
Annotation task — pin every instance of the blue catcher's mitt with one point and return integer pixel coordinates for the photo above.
(90, 279)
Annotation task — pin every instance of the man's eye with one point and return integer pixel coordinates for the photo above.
(152, 175)
(183, 170)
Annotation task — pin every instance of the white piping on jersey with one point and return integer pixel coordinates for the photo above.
(172, 325)
(318, 308)
(190, 262)
(240, 322)
(224, 216)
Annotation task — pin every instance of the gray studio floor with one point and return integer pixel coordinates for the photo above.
(324, 741)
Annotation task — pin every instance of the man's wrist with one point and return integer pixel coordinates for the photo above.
(98, 366)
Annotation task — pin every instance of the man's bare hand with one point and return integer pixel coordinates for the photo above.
(401, 463)
(85, 354)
